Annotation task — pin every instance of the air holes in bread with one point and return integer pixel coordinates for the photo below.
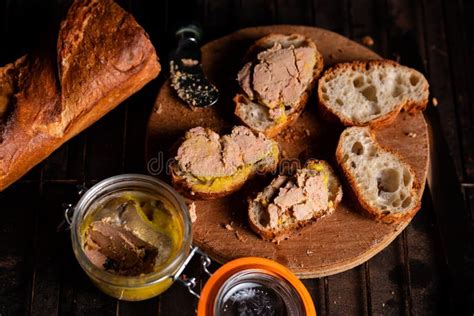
(406, 202)
(357, 148)
(339, 101)
(397, 91)
(370, 93)
(389, 180)
(358, 82)
(414, 79)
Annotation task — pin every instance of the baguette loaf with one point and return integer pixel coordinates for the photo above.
(209, 166)
(102, 57)
(384, 186)
(276, 81)
(291, 202)
(371, 93)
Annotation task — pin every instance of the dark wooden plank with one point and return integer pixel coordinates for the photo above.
(256, 13)
(148, 307)
(287, 12)
(220, 17)
(18, 205)
(332, 15)
(315, 287)
(428, 287)
(462, 81)
(387, 278)
(369, 18)
(440, 76)
(104, 145)
(347, 293)
(49, 249)
(460, 48)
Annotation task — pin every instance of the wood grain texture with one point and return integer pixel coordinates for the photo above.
(338, 242)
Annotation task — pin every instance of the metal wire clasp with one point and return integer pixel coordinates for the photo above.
(69, 211)
(190, 282)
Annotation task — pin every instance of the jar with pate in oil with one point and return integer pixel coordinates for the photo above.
(131, 234)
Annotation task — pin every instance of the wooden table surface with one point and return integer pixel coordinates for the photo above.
(38, 271)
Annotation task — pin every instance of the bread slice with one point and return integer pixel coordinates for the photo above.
(208, 166)
(371, 93)
(276, 81)
(292, 202)
(384, 186)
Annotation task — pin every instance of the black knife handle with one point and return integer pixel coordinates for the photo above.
(189, 32)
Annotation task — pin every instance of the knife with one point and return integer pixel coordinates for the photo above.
(186, 74)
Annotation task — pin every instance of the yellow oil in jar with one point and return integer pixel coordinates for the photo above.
(151, 219)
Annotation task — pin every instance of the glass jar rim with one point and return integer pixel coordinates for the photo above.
(226, 272)
(133, 181)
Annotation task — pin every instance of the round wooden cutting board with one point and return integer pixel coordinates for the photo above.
(335, 243)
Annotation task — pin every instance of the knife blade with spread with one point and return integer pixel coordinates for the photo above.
(186, 73)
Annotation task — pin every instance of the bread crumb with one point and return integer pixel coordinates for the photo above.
(240, 237)
(412, 135)
(192, 212)
(229, 226)
(308, 132)
(368, 41)
(308, 252)
(434, 101)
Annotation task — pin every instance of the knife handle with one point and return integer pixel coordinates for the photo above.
(189, 32)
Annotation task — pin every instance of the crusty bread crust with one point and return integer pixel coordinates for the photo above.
(277, 236)
(358, 196)
(48, 108)
(267, 42)
(328, 113)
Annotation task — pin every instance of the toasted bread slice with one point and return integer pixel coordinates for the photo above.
(276, 81)
(385, 187)
(209, 166)
(257, 117)
(292, 202)
(371, 93)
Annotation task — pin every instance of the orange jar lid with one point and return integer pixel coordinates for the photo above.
(254, 284)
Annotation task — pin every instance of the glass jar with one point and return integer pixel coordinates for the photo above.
(132, 288)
